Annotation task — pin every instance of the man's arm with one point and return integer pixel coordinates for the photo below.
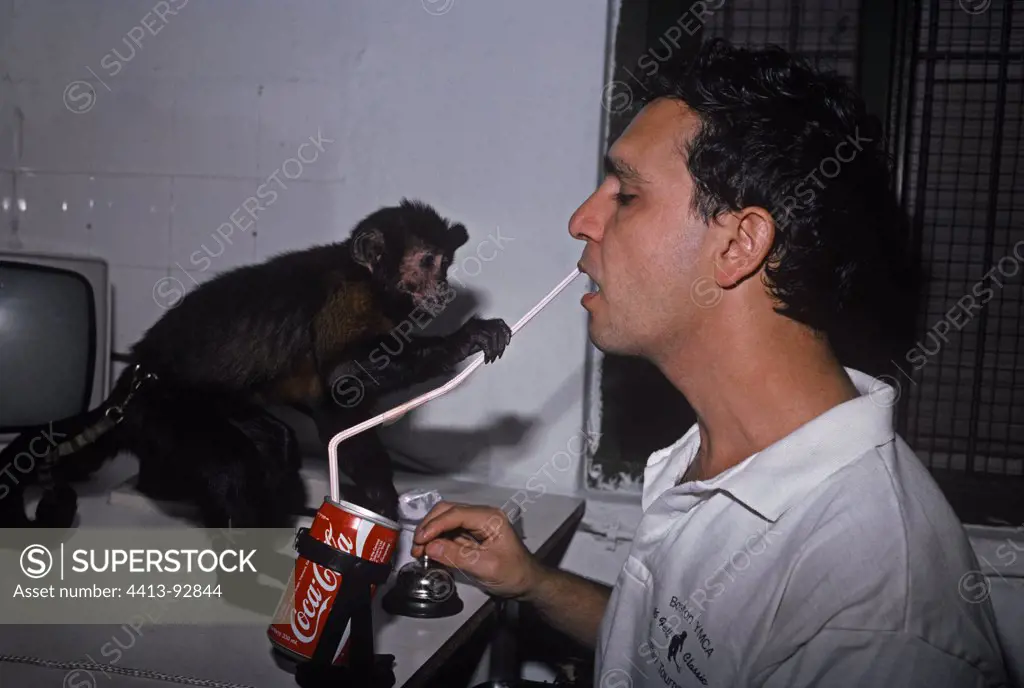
(480, 541)
(571, 603)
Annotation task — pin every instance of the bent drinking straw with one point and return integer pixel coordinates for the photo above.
(401, 409)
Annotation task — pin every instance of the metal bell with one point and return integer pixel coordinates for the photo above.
(423, 589)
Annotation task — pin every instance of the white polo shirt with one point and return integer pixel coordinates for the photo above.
(828, 559)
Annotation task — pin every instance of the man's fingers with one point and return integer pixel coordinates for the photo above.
(479, 521)
(435, 511)
(451, 529)
(460, 543)
(481, 565)
(464, 540)
(438, 509)
(438, 550)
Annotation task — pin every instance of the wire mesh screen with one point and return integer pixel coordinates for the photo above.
(822, 31)
(965, 406)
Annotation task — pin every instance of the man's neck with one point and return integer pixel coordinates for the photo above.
(751, 387)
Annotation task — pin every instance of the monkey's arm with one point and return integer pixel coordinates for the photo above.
(380, 367)
(392, 365)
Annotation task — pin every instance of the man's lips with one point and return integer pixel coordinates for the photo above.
(589, 296)
(586, 272)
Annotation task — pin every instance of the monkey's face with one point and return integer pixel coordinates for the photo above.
(423, 275)
(408, 250)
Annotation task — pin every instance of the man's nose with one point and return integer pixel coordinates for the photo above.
(586, 222)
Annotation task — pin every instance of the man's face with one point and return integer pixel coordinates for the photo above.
(643, 243)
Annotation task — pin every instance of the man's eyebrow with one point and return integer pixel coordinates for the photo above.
(623, 170)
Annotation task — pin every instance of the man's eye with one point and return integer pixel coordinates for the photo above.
(624, 199)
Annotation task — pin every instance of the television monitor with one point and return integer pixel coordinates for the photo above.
(55, 313)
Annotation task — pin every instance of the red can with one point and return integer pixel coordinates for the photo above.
(299, 620)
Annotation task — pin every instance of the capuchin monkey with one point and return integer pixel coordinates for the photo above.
(308, 329)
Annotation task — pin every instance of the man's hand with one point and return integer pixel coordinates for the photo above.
(479, 541)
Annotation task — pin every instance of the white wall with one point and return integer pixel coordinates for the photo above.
(489, 110)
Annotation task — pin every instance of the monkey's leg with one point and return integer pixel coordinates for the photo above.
(189, 450)
(157, 433)
(277, 450)
(206, 462)
(240, 482)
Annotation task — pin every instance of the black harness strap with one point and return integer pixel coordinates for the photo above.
(87, 436)
(352, 603)
(111, 417)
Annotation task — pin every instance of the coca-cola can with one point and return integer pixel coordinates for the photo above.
(299, 621)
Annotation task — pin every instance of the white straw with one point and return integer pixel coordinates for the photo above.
(401, 409)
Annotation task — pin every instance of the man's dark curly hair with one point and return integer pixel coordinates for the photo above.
(778, 134)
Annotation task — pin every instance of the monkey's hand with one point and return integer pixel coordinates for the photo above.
(488, 336)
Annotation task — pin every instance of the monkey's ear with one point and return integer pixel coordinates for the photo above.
(458, 235)
(368, 247)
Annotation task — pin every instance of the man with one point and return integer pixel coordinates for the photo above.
(789, 538)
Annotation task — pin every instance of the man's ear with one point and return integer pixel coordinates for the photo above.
(457, 235)
(746, 239)
(368, 247)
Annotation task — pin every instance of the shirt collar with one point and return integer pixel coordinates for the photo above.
(772, 480)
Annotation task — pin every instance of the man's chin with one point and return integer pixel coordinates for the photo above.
(604, 340)
(610, 338)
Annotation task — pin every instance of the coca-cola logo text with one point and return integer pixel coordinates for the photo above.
(344, 542)
(306, 617)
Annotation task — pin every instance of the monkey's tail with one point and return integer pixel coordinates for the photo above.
(68, 450)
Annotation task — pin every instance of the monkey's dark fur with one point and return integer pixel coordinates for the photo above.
(287, 331)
